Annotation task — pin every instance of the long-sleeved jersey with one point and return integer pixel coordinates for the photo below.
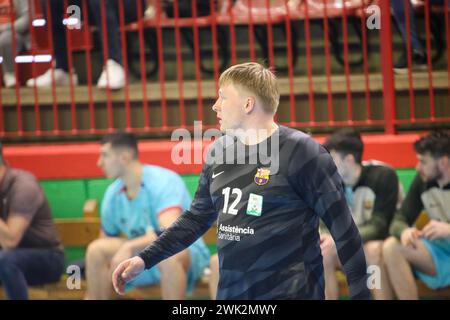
(267, 210)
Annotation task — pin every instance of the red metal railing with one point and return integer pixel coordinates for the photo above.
(161, 103)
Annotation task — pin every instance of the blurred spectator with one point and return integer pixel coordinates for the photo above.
(112, 67)
(21, 29)
(185, 8)
(418, 53)
(31, 252)
(425, 254)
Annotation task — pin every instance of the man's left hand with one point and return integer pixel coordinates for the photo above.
(436, 230)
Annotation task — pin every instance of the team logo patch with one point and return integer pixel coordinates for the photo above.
(262, 176)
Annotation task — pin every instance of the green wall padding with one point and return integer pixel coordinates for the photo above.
(96, 188)
(66, 197)
(406, 176)
(191, 181)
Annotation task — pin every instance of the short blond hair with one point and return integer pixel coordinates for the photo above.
(256, 79)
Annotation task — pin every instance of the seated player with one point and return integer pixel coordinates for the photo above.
(372, 193)
(142, 202)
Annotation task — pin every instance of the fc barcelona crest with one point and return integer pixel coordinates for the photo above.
(262, 176)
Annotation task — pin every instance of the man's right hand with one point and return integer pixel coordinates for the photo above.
(409, 237)
(127, 271)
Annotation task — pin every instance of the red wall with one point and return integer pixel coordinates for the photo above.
(71, 161)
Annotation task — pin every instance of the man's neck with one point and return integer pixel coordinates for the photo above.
(444, 180)
(132, 178)
(257, 132)
(353, 180)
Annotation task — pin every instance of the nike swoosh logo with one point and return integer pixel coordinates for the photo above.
(217, 174)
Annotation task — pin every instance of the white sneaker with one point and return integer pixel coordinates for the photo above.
(62, 78)
(116, 76)
(9, 79)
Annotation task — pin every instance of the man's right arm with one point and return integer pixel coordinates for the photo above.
(187, 228)
(410, 210)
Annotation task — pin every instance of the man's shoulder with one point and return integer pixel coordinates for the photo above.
(293, 134)
(299, 147)
(153, 173)
(114, 188)
(19, 177)
(378, 169)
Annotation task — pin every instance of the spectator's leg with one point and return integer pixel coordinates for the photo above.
(58, 31)
(12, 277)
(22, 267)
(373, 252)
(131, 13)
(98, 272)
(214, 277)
(112, 25)
(399, 259)
(330, 265)
(6, 49)
(174, 272)
(398, 9)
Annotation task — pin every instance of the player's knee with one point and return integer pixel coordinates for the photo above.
(95, 251)
(391, 248)
(373, 251)
(214, 263)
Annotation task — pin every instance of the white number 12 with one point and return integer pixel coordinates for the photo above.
(226, 193)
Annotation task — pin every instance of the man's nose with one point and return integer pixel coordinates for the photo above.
(215, 106)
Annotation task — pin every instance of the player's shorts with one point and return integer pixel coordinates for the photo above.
(440, 252)
(199, 261)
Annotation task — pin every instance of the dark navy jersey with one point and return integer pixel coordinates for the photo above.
(267, 203)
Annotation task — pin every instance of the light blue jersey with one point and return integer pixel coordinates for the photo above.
(161, 189)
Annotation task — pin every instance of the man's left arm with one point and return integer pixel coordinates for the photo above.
(26, 197)
(322, 189)
(12, 231)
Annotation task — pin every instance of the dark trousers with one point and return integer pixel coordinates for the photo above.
(20, 268)
(95, 17)
(398, 8)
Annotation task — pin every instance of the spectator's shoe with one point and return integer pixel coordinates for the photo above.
(9, 79)
(419, 62)
(62, 78)
(116, 76)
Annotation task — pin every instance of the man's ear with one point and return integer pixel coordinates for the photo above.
(125, 156)
(249, 104)
(349, 158)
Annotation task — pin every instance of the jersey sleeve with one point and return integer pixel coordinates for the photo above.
(410, 209)
(171, 192)
(187, 228)
(315, 176)
(384, 207)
